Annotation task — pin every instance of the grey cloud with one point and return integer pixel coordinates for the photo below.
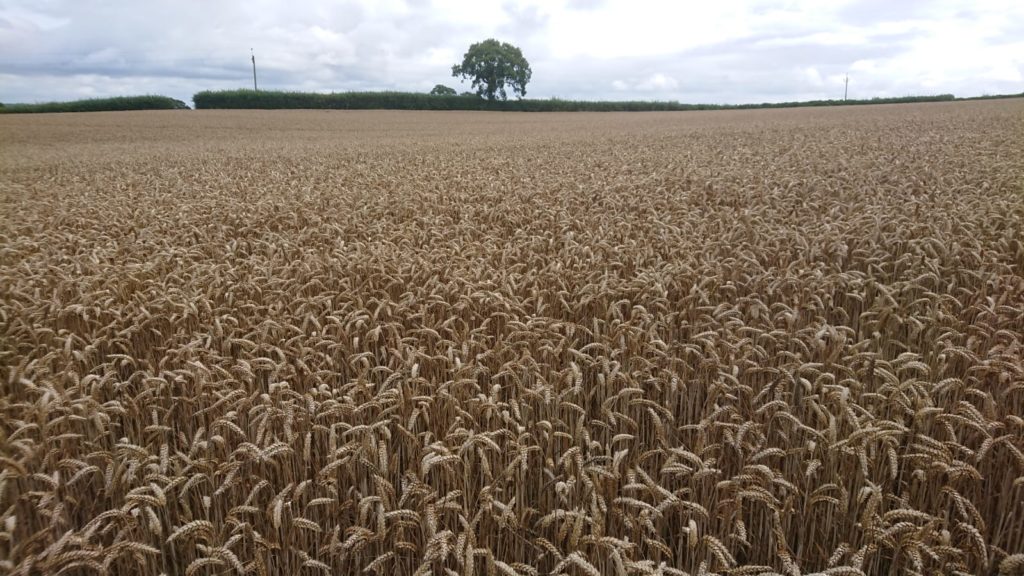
(182, 47)
(745, 70)
(523, 22)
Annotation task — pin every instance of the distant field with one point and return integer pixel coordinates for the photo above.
(301, 342)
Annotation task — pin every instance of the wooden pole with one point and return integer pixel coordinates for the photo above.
(254, 86)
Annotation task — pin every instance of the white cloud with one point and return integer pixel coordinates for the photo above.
(658, 83)
(813, 77)
(23, 18)
(739, 51)
(834, 38)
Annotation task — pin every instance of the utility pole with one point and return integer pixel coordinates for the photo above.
(254, 87)
(846, 87)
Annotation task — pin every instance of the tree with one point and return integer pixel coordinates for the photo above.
(493, 65)
(442, 90)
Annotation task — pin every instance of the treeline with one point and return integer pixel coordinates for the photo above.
(274, 100)
(118, 103)
(897, 100)
(993, 96)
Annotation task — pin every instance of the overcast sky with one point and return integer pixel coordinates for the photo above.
(717, 51)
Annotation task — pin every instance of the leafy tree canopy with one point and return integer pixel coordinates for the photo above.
(494, 66)
(442, 90)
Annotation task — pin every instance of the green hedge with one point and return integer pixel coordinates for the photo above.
(272, 100)
(407, 101)
(99, 105)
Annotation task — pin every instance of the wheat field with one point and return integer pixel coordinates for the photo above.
(736, 343)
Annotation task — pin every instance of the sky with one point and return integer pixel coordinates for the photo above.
(723, 51)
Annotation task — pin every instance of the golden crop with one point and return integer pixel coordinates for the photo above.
(758, 342)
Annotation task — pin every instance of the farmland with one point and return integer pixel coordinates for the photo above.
(339, 342)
